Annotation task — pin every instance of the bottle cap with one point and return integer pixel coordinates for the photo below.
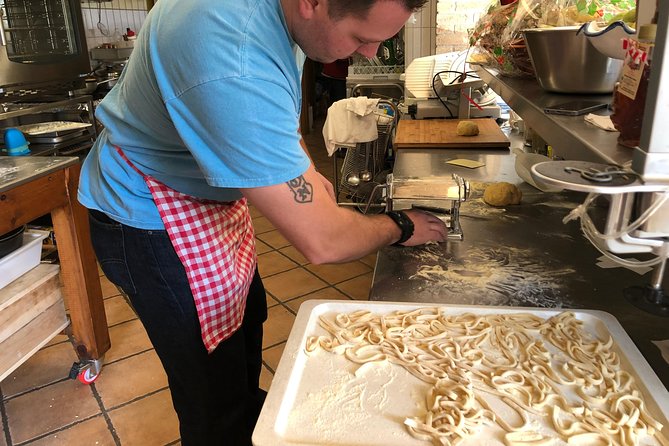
(647, 32)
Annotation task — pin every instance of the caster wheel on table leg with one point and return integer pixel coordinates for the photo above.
(87, 376)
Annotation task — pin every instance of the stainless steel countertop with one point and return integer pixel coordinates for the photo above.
(422, 163)
(570, 136)
(17, 170)
(520, 255)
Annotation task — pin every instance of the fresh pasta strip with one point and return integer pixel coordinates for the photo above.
(526, 438)
(520, 358)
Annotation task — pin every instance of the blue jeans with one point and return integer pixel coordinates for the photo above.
(216, 396)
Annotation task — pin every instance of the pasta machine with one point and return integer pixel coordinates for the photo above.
(440, 195)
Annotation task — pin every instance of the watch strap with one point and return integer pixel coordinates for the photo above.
(405, 224)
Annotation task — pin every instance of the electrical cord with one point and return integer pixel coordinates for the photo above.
(463, 75)
(434, 78)
(595, 237)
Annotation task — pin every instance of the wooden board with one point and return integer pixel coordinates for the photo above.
(27, 297)
(441, 133)
(31, 314)
(20, 346)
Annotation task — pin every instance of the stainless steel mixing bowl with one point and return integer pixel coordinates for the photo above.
(566, 62)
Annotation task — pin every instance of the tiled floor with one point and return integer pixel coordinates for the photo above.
(130, 404)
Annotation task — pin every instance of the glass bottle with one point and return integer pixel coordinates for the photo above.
(629, 96)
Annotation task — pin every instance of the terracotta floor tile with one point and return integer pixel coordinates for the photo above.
(108, 288)
(91, 432)
(130, 378)
(329, 293)
(3, 442)
(370, 260)
(357, 288)
(127, 339)
(278, 325)
(293, 283)
(272, 355)
(48, 365)
(339, 272)
(50, 408)
(150, 421)
(294, 254)
(118, 310)
(262, 247)
(274, 239)
(254, 212)
(274, 262)
(262, 225)
(265, 380)
(272, 302)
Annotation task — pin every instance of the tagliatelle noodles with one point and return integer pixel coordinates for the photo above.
(467, 356)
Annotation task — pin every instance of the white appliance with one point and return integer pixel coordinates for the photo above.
(445, 86)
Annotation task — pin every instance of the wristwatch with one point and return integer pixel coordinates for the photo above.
(405, 224)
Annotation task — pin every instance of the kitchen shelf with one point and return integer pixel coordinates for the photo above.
(66, 147)
(570, 136)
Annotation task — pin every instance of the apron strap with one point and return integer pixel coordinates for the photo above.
(125, 158)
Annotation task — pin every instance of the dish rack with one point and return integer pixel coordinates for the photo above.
(365, 166)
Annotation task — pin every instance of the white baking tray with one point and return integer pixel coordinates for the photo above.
(52, 128)
(317, 399)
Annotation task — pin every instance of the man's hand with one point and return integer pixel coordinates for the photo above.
(427, 228)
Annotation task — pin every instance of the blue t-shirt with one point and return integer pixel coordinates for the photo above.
(208, 103)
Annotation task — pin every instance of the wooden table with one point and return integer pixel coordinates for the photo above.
(31, 187)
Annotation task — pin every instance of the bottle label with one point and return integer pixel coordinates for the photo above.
(635, 61)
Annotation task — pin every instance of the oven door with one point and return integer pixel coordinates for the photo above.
(42, 42)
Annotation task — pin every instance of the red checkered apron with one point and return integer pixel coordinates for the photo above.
(215, 243)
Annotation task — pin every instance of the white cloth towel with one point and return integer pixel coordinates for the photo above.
(349, 122)
(603, 122)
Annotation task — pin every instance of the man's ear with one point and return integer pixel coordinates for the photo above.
(309, 8)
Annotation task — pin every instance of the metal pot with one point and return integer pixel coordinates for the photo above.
(90, 85)
(11, 241)
(111, 80)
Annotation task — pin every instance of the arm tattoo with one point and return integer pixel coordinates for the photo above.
(303, 192)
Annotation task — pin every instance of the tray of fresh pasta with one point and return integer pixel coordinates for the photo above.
(399, 374)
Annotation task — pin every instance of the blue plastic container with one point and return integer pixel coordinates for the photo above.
(15, 142)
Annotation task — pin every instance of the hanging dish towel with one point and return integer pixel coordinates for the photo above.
(350, 121)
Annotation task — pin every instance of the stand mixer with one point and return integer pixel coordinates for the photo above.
(637, 219)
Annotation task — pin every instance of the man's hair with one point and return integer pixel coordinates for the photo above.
(338, 9)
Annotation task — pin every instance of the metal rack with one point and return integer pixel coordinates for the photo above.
(78, 108)
(364, 166)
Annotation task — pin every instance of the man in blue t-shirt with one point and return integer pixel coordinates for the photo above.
(204, 117)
